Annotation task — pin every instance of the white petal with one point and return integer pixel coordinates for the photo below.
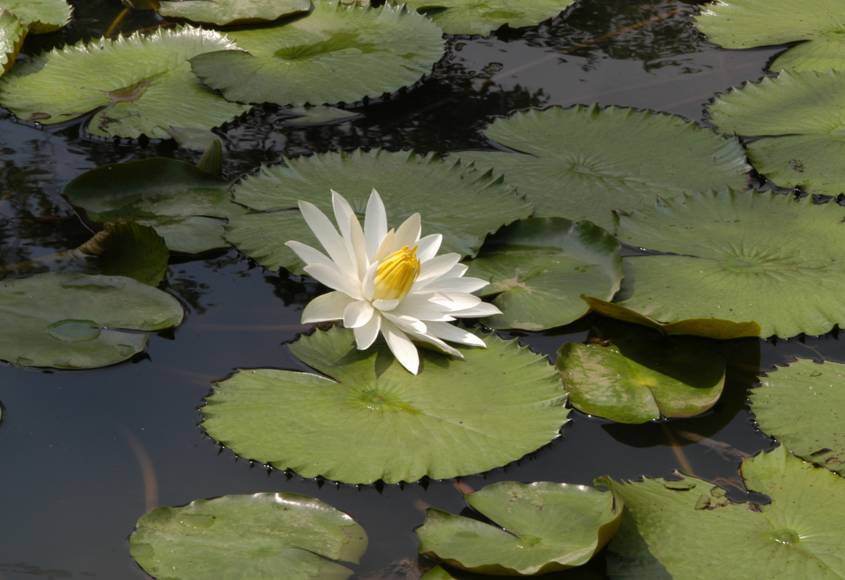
(366, 335)
(357, 314)
(406, 323)
(433, 340)
(350, 230)
(483, 310)
(454, 334)
(401, 347)
(428, 246)
(326, 233)
(309, 255)
(388, 246)
(452, 301)
(375, 223)
(409, 232)
(325, 308)
(455, 285)
(368, 286)
(456, 272)
(423, 307)
(437, 267)
(386, 305)
(334, 279)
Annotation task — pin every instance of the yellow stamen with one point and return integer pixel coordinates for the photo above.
(396, 274)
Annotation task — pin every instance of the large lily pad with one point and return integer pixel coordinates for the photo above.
(39, 16)
(79, 321)
(12, 33)
(801, 406)
(224, 12)
(188, 207)
(373, 421)
(538, 269)
(337, 54)
(583, 163)
(138, 85)
(262, 536)
(729, 260)
(459, 202)
(688, 528)
(539, 528)
(642, 377)
(485, 16)
(797, 119)
(752, 23)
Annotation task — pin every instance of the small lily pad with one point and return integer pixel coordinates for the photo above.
(459, 202)
(188, 207)
(373, 421)
(801, 406)
(584, 163)
(12, 34)
(539, 528)
(437, 573)
(642, 378)
(485, 16)
(538, 269)
(226, 12)
(39, 16)
(129, 249)
(668, 532)
(77, 321)
(135, 85)
(248, 537)
(336, 54)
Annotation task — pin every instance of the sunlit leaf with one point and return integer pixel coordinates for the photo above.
(12, 34)
(485, 16)
(39, 16)
(224, 12)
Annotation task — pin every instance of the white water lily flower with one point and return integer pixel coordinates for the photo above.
(388, 281)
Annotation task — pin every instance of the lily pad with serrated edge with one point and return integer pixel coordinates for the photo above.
(248, 537)
(188, 207)
(77, 321)
(755, 23)
(336, 54)
(138, 85)
(367, 419)
(228, 12)
(485, 16)
(688, 528)
(39, 16)
(461, 203)
(795, 122)
(536, 528)
(538, 269)
(12, 34)
(802, 405)
(584, 163)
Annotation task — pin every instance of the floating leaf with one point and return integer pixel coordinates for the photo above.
(642, 377)
(224, 12)
(538, 269)
(728, 252)
(337, 54)
(12, 33)
(312, 116)
(262, 536)
(39, 16)
(798, 119)
(539, 528)
(77, 321)
(485, 16)
(583, 163)
(461, 203)
(753, 23)
(186, 206)
(129, 249)
(138, 85)
(374, 421)
(800, 405)
(688, 528)
(437, 573)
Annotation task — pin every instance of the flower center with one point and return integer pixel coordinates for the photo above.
(396, 274)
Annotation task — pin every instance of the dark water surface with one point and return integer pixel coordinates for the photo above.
(86, 453)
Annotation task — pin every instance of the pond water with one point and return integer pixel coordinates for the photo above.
(86, 453)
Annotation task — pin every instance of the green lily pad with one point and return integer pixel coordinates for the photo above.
(459, 202)
(729, 261)
(129, 249)
(138, 85)
(188, 207)
(583, 163)
(12, 34)
(39, 16)
(248, 537)
(539, 528)
(372, 420)
(642, 377)
(437, 573)
(77, 321)
(800, 405)
(485, 16)
(225, 12)
(688, 528)
(538, 269)
(797, 121)
(336, 54)
(753, 23)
